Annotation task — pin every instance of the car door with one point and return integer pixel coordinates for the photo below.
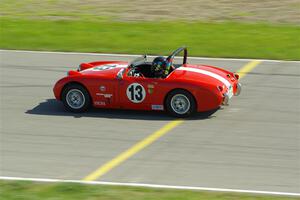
(140, 93)
(103, 92)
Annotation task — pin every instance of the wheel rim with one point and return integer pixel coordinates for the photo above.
(180, 104)
(75, 99)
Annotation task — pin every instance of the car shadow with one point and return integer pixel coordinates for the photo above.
(52, 107)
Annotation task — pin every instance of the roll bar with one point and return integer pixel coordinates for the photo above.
(176, 52)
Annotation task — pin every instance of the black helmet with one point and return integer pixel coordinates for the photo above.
(158, 65)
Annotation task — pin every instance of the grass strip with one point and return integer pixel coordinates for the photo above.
(13, 190)
(226, 39)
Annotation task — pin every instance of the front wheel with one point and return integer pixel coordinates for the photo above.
(76, 98)
(180, 103)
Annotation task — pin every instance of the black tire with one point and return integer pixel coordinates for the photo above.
(82, 94)
(186, 97)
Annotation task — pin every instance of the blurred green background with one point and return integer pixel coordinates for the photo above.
(227, 28)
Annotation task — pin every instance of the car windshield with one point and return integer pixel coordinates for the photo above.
(138, 61)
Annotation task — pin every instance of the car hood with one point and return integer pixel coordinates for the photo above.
(107, 69)
(204, 74)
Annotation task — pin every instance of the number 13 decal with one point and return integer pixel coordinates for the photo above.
(136, 93)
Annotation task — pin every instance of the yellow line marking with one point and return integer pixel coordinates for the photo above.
(151, 138)
(132, 151)
(248, 68)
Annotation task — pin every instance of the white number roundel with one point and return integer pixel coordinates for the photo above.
(136, 93)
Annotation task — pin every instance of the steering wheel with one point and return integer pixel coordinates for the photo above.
(135, 73)
(138, 74)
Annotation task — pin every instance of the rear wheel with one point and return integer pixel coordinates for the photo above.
(180, 103)
(76, 98)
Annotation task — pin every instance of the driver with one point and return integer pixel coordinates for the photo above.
(160, 67)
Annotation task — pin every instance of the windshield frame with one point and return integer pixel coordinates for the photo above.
(138, 61)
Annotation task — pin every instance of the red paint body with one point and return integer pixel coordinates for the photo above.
(108, 91)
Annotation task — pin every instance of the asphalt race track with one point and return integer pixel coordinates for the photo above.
(253, 144)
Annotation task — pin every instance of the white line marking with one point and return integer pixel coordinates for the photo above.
(135, 55)
(150, 186)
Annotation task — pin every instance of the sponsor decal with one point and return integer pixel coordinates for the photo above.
(157, 107)
(105, 95)
(99, 103)
(105, 67)
(150, 88)
(136, 93)
(102, 88)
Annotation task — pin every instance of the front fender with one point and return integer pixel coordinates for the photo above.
(60, 84)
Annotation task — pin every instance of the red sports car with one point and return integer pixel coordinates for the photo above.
(183, 90)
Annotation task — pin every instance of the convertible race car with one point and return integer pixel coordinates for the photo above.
(183, 90)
